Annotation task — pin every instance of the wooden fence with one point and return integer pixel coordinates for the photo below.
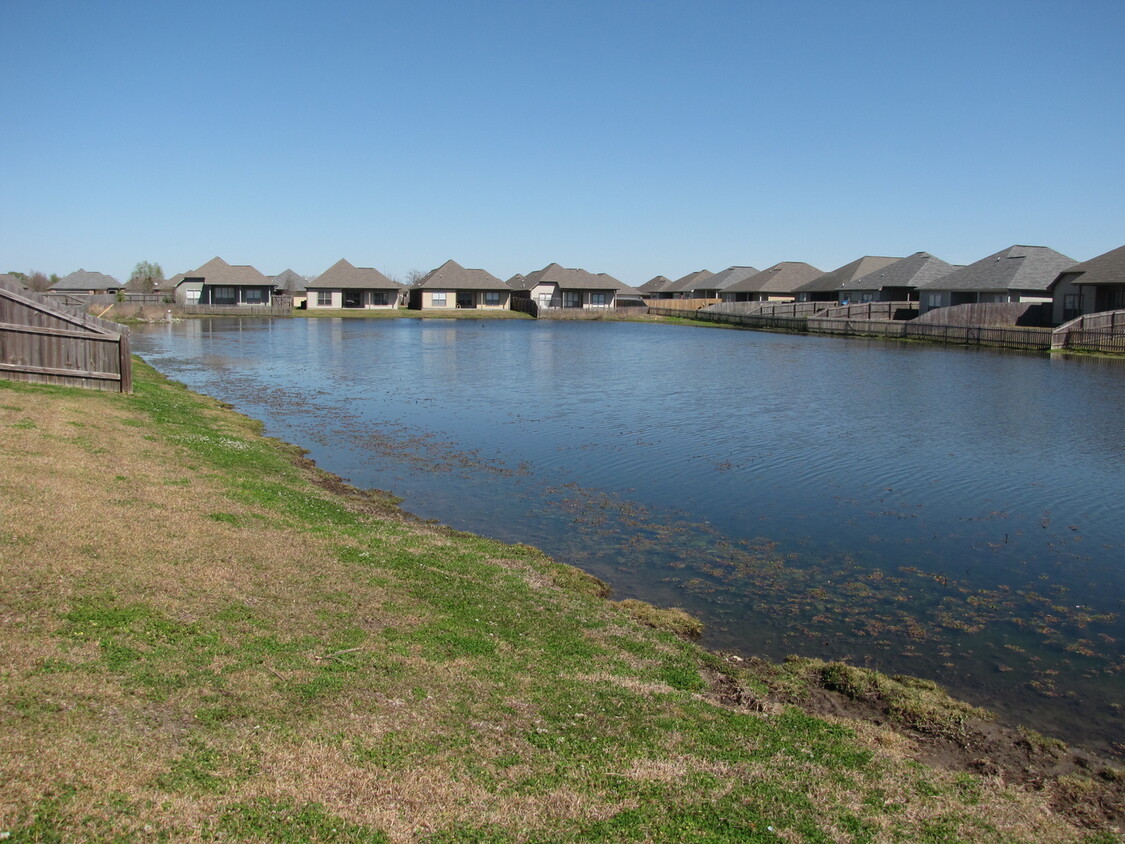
(1035, 339)
(1101, 332)
(43, 343)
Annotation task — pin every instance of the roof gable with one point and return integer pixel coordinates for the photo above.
(452, 276)
(832, 281)
(86, 280)
(344, 276)
(912, 271)
(731, 275)
(218, 272)
(569, 279)
(784, 277)
(1014, 268)
(1107, 268)
(687, 282)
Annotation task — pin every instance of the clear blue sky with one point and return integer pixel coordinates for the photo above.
(637, 138)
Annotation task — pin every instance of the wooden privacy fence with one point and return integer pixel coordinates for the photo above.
(43, 343)
(1035, 339)
(1101, 332)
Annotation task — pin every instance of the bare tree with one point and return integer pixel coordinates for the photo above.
(146, 275)
(413, 277)
(37, 281)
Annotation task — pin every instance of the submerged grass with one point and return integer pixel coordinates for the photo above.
(202, 637)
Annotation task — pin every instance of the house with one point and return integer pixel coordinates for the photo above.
(826, 287)
(220, 283)
(897, 281)
(684, 287)
(345, 286)
(290, 283)
(453, 286)
(1016, 274)
(713, 286)
(773, 284)
(85, 282)
(653, 286)
(1090, 287)
(560, 287)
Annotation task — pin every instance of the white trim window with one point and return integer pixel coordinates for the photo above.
(324, 298)
(438, 300)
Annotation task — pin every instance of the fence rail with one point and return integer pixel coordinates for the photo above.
(44, 343)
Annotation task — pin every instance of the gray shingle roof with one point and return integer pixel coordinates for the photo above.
(655, 284)
(832, 281)
(288, 279)
(725, 278)
(784, 277)
(219, 272)
(1015, 268)
(1107, 268)
(86, 280)
(452, 276)
(568, 279)
(343, 276)
(912, 271)
(687, 282)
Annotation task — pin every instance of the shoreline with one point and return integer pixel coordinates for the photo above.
(895, 713)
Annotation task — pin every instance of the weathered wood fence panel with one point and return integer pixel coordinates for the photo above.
(1036, 339)
(43, 343)
(1100, 332)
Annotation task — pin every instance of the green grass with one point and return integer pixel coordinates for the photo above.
(266, 661)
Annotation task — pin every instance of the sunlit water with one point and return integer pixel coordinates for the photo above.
(951, 513)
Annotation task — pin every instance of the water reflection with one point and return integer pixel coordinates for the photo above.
(944, 512)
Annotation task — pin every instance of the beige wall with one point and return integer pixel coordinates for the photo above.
(478, 300)
(338, 299)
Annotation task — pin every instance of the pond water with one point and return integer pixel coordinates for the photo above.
(951, 513)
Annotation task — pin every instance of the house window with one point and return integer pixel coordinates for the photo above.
(378, 297)
(253, 296)
(1071, 307)
(492, 297)
(223, 296)
(324, 298)
(572, 299)
(437, 300)
(544, 300)
(597, 300)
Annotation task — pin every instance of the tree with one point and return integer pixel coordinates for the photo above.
(414, 276)
(146, 275)
(37, 281)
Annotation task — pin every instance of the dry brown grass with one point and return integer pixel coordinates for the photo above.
(97, 505)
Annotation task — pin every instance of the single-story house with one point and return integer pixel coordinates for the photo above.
(1016, 274)
(220, 283)
(453, 286)
(1091, 287)
(713, 286)
(87, 282)
(560, 287)
(345, 286)
(896, 282)
(684, 287)
(651, 288)
(773, 284)
(826, 287)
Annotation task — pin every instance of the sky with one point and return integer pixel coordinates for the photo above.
(632, 137)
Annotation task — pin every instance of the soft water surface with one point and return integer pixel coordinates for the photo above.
(951, 513)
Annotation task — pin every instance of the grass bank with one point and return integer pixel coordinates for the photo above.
(203, 637)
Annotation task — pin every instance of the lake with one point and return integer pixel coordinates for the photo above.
(957, 514)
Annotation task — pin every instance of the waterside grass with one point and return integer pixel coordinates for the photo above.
(203, 637)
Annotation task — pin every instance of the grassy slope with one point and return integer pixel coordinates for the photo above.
(200, 639)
